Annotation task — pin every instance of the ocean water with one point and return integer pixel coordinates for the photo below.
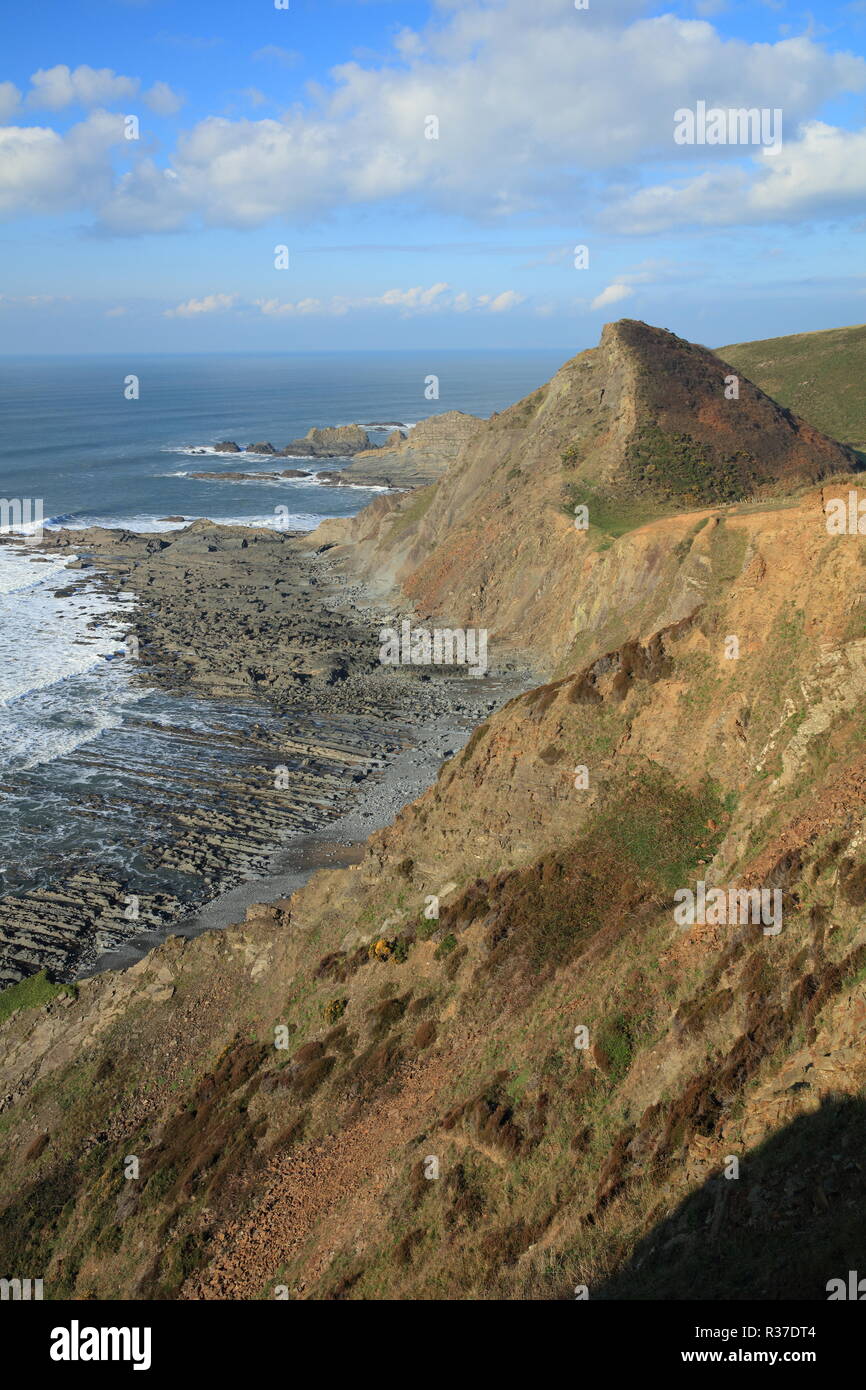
(71, 438)
(73, 723)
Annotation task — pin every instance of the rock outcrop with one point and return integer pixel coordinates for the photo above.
(421, 456)
(334, 441)
(637, 428)
(234, 476)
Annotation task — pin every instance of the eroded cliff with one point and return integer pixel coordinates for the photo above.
(488, 1060)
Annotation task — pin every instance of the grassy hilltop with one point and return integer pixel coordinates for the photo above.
(819, 375)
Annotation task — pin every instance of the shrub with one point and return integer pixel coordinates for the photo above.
(334, 1010)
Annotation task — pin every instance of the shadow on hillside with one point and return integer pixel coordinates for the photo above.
(793, 1219)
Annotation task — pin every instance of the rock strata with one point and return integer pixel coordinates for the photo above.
(281, 669)
(419, 457)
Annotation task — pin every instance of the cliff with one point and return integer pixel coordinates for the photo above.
(427, 451)
(636, 429)
(488, 1061)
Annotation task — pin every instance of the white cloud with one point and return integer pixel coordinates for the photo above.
(611, 295)
(417, 300)
(819, 174)
(10, 98)
(163, 100)
(43, 172)
(529, 119)
(509, 299)
(274, 308)
(211, 304)
(54, 88)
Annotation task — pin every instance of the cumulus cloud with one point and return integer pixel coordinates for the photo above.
(417, 300)
(820, 173)
(43, 172)
(529, 120)
(611, 295)
(211, 304)
(163, 100)
(509, 299)
(10, 99)
(53, 89)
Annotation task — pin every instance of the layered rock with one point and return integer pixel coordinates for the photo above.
(419, 457)
(334, 441)
(637, 428)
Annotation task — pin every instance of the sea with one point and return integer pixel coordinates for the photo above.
(73, 435)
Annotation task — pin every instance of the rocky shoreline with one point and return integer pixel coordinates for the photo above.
(333, 441)
(282, 722)
(408, 458)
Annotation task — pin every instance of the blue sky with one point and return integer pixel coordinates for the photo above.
(307, 127)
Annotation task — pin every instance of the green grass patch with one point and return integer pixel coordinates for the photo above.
(611, 517)
(665, 829)
(413, 513)
(31, 993)
(818, 375)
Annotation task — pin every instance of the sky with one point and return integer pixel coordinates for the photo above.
(300, 175)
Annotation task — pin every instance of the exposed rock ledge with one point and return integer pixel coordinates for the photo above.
(403, 461)
(335, 441)
(420, 457)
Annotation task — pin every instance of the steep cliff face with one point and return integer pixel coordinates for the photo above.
(421, 456)
(489, 1060)
(632, 430)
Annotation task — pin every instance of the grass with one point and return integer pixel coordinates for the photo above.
(31, 993)
(616, 1041)
(664, 829)
(611, 517)
(413, 513)
(679, 468)
(818, 375)
(727, 553)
